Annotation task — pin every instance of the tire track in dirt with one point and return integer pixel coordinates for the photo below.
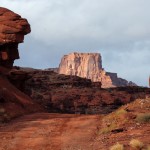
(45, 131)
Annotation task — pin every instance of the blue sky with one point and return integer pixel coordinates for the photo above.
(118, 29)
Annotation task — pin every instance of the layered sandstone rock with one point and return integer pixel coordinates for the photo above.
(89, 65)
(12, 27)
(13, 102)
(12, 31)
(85, 65)
(72, 94)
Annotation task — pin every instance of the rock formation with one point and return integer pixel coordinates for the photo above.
(73, 94)
(12, 31)
(85, 65)
(89, 65)
(13, 102)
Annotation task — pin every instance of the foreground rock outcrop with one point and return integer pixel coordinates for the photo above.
(13, 102)
(89, 65)
(12, 31)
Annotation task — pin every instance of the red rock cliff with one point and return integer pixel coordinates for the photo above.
(13, 102)
(12, 31)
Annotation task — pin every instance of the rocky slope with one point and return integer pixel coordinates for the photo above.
(72, 94)
(89, 65)
(130, 122)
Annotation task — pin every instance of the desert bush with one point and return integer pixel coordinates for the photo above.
(143, 118)
(108, 129)
(113, 121)
(148, 147)
(138, 145)
(121, 112)
(117, 147)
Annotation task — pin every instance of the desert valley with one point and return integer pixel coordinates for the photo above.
(77, 106)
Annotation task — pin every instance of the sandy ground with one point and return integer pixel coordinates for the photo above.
(45, 131)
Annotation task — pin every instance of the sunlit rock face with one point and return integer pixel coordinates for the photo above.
(89, 65)
(81, 64)
(12, 31)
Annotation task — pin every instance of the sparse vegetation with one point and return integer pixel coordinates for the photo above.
(138, 145)
(134, 143)
(121, 112)
(117, 147)
(112, 121)
(108, 129)
(143, 118)
(148, 147)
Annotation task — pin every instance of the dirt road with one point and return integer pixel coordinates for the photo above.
(50, 132)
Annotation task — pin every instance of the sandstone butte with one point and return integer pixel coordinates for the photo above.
(89, 65)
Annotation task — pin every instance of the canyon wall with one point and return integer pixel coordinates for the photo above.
(89, 65)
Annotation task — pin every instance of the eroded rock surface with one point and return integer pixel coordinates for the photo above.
(12, 27)
(73, 94)
(13, 102)
(85, 65)
(12, 31)
(89, 65)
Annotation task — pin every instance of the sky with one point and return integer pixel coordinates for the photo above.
(117, 29)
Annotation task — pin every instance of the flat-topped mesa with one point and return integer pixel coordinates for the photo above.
(81, 64)
(89, 65)
(12, 31)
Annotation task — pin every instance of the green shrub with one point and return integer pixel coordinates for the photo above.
(117, 147)
(143, 118)
(134, 143)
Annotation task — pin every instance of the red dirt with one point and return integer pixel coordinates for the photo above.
(49, 132)
(45, 131)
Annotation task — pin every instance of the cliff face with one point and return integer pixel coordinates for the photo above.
(81, 64)
(13, 102)
(12, 31)
(89, 65)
